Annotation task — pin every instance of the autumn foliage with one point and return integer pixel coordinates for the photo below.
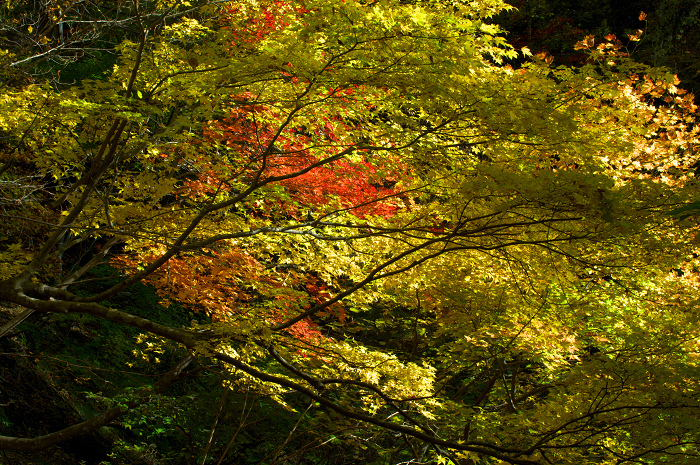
(448, 258)
(358, 185)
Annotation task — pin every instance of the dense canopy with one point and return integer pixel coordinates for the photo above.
(415, 242)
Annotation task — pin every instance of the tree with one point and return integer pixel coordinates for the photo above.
(317, 176)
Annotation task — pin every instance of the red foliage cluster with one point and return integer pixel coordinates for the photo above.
(353, 186)
(361, 186)
(255, 26)
(225, 285)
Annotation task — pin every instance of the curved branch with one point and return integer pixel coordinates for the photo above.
(52, 439)
(88, 426)
(492, 450)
